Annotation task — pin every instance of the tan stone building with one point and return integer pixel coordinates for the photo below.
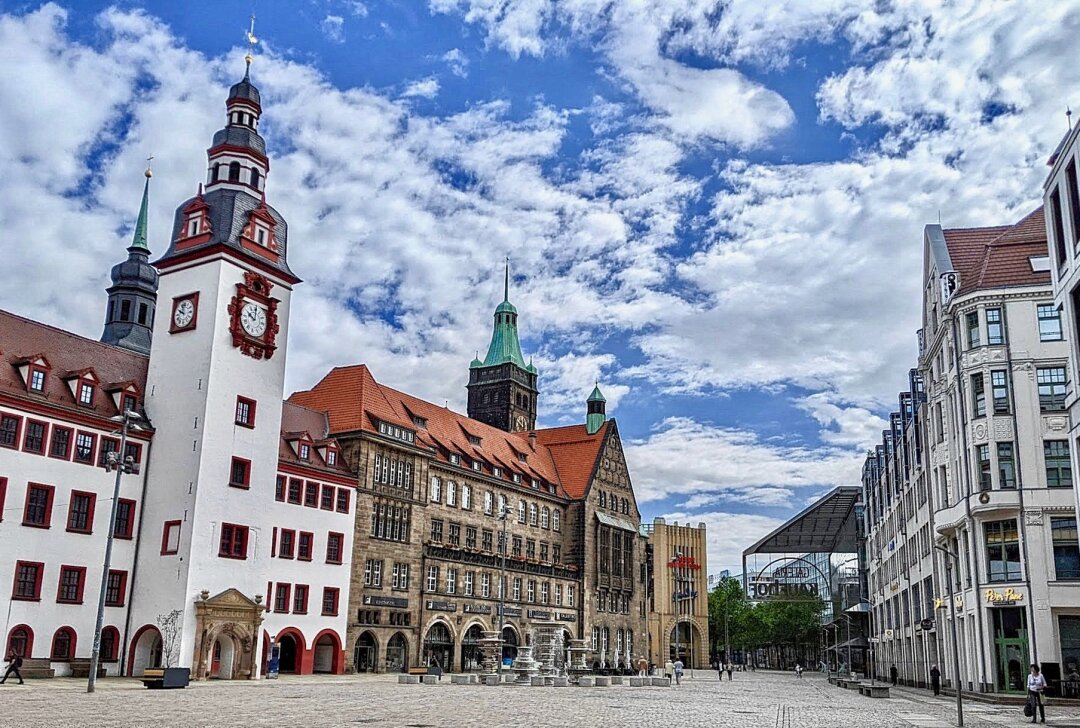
(433, 482)
(679, 615)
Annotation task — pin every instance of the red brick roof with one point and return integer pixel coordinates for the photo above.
(999, 257)
(297, 422)
(355, 401)
(23, 340)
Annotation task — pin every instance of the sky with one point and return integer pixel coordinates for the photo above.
(713, 209)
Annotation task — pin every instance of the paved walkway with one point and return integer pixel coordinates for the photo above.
(752, 700)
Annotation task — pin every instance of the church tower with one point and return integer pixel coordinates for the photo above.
(502, 387)
(129, 318)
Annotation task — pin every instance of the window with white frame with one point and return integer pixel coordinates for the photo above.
(466, 496)
(432, 578)
(545, 517)
(451, 493)
(532, 514)
(489, 502)
(451, 581)
(521, 511)
(545, 592)
(1049, 322)
(569, 595)
(436, 489)
(469, 583)
(558, 595)
(485, 585)
(516, 593)
(555, 521)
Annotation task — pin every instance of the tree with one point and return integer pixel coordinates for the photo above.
(171, 627)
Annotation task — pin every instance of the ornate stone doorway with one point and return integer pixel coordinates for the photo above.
(228, 626)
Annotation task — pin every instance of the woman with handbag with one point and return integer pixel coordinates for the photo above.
(1036, 683)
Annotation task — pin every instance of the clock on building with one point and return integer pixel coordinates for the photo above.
(520, 423)
(253, 323)
(185, 312)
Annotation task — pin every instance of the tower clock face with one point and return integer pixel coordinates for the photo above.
(185, 311)
(253, 319)
(520, 422)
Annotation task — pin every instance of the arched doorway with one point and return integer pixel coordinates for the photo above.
(438, 647)
(472, 656)
(685, 639)
(397, 653)
(145, 650)
(326, 656)
(365, 653)
(288, 656)
(223, 658)
(510, 643)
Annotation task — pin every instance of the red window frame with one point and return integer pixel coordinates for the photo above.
(339, 539)
(233, 539)
(311, 495)
(110, 644)
(130, 505)
(121, 589)
(333, 593)
(250, 421)
(343, 500)
(106, 445)
(296, 491)
(70, 653)
(279, 488)
(70, 442)
(44, 436)
(166, 530)
(133, 449)
(269, 596)
(301, 537)
(286, 550)
(75, 447)
(128, 402)
(50, 492)
(282, 596)
(80, 586)
(3, 496)
(300, 598)
(246, 481)
(40, 566)
(326, 500)
(14, 444)
(89, 511)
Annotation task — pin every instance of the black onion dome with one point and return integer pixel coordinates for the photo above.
(245, 89)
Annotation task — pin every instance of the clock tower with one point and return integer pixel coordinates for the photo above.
(502, 387)
(216, 379)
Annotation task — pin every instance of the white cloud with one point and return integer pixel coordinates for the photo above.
(333, 27)
(426, 88)
(458, 62)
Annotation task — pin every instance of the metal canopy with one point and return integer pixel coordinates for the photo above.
(827, 526)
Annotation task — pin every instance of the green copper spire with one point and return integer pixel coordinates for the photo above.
(138, 240)
(596, 410)
(504, 346)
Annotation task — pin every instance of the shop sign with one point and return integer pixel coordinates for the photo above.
(435, 605)
(999, 598)
(477, 608)
(539, 614)
(766, 590)
(791, 572)
(511, 611)
(687, 594)
(376, 600)
(939, 602)
(684, 562)
(566, 617)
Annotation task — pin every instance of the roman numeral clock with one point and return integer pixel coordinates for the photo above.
(253, 317)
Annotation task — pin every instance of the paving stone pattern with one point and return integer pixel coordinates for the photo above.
(756, 700)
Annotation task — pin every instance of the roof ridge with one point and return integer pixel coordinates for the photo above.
(72, 334)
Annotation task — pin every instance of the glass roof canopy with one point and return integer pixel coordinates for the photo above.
(829, 525)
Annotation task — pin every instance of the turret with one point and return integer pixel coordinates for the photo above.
(596, 411)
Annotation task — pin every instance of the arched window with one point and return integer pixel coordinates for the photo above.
(545, 517)
(110, 643)
(21, 641)
(532, 514)
(521, 511)
(255, 177)
(234, 171)
(217, 172)
(63, 644)
(555, 524)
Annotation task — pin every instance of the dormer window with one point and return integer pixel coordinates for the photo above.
(420, 421)
(260, 236)
(517, 477)
(193, 226)
(455, 459)
(86, 394)
(331, 457)
(522, 457)
(305, 452)
(474, 440)
(497, 472)
(477, 466)
(535, 483)
(128, 402)
(37, 380)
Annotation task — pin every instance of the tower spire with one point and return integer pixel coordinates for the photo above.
(250, 55)
(506, 281)
(138, 239)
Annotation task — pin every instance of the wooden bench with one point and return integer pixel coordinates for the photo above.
(848, 683)
(418, 671)
(80, 667)
(873, 690)
(34, 668)
(153, 678)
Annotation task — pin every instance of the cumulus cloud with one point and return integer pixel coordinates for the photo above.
(333, 27)
(457, 61)
(427, 88)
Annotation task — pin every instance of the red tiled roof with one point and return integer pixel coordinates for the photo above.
(999, 257)
(297, 420)
(22, 339)
(354, 400)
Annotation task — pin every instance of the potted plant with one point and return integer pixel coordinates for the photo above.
(171, 626)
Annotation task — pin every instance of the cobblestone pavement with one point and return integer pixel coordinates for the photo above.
(756, 700)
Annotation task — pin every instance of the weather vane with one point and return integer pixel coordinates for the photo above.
(149, 172)
(252, 40)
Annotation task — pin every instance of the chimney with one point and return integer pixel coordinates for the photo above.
(532, 439)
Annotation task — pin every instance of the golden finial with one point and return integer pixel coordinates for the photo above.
(252, 40)
(149, 172)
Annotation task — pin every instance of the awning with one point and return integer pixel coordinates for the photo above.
(829, 525)
(855, 643)
(616, 522)
(863, 607)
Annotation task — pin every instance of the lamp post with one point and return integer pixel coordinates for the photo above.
(949, 555)
(504, 514)
(113, 461)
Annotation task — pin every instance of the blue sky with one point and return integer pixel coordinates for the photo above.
(713, 208)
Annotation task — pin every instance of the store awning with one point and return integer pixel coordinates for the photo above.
(616, 522)
(830, 525)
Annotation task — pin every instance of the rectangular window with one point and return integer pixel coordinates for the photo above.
(305, 452)
(116, 588)
(569, 596)
(281, 598)
(84, 447)
(436, 489)
(81, 512)
(978, 395)
(304, 545)
(108, 445)
(995, 329)
(334, 545)
(330, 601)
(1051, 381)
(531, 591)
(999, 386)
(485, 585)
(454, 536)
(343, 500)
(1058, 464)
(125, 518)
(436, 530)
(1002, 550)
(516, 593)
(1049, 323)
(240, 473)
(466, 497)
(245, 411)
(326, 500)
(555, 519)
(1066, 549)
(286, 543)
(487, 540)
(60, 445)
(28, 580)
(373, 572)
(558, 595)
(451, 581)
(400, 577)
(86, 394)
(37, 380)
(279, 489)
(432, 578)
(530, 548)
(451, 493)
(34, 439)
(468, 589)
(9, 430)
(470, 537)
(311, 495)
(299, 601)
(515, 545)
(974, 338)
(234, 541)
(1074, 199)
(170, 538)
(489, 503)
(1006, 465)
(72, 580)
(296, 489)
(37, 511)
(1058, 226)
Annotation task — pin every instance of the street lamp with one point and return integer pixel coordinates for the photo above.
(504, 514)
(113, 461)
(949, 555)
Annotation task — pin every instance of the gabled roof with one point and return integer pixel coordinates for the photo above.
(574, 452)
(999, 256)
(297, 421)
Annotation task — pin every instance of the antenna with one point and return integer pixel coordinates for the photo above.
(1068, 117)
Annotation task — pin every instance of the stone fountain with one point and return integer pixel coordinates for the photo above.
(491, 646)
(524, 666)
(578, 660)
(548, 639)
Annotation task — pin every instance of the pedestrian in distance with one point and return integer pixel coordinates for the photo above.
(935, 680)
(669, 670)
(14, 662)
(729, 668)
(678, 671)
(798, 670)
(893, 673)
(1036, 683)
(642, 666)
(720, 670)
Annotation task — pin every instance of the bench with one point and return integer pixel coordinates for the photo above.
(418, 671)
(848, 683)
(80, 667)
(153, 678)
(873, 690)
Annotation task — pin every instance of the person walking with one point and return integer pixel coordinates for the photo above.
(798, 670)
(678, 671)
(1036, 683)
(642, 666)
(669, 670)
(893, 673)
(935, 680)
(14, 662)
(729, 668)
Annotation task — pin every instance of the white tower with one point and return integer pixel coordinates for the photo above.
(214, 393)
